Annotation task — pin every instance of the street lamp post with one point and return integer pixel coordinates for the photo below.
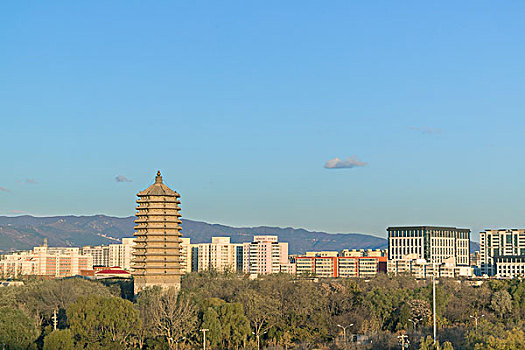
(204, 330)
(475, 317)
(258, 341)
(434, 299)
(177, 342)
(344, 330)
(414, 322)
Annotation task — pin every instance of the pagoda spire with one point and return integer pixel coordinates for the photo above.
(158, 178)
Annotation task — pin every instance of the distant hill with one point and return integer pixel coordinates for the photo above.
(25, 232)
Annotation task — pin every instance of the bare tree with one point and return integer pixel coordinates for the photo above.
(173, 316)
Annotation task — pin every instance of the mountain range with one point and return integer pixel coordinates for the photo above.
(24, 232)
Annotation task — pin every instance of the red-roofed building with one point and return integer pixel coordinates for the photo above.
(112, 272)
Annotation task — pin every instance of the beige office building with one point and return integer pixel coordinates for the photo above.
(430, 243)
(502, 252)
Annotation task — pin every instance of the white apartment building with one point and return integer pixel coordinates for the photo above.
(186, 255)
(112, 255)
(45, 261)
(99, 253)
(502, 252)
(220, 255)
(432, 244)
(264, 255)
(121, 254)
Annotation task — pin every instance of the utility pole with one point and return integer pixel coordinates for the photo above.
(256, 333)
(204, 330)
(475, 317)
(55, 319)
(434, 299)
(403, 341)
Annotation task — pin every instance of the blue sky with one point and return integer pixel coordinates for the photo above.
(241, 104)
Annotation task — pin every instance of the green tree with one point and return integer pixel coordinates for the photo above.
(508, 340)
(517, 292)
(103, 321)
(419, 311)
(259, 308)
(40, 298)
(146, 304)
(61, 339)
(428, 344)
(447, 346)
(17, 330)
(210, 321)
(501, 302)
(234, 325)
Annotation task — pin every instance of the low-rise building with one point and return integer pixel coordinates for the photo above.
(348, 263)
(508, 266)
(422, 269)
(45, 261)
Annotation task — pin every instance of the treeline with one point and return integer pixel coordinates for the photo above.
(279, 311)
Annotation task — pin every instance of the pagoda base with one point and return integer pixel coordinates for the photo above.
(165, 282)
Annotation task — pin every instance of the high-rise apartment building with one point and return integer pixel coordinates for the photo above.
(156, 256)
(186, 255)
(122, 254)
(433, 244)
(264, 255)
(220, 255)
(100, 254)
(502, 252)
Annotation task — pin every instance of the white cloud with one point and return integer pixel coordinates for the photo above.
(4, 189)
(122, 178)
(350, 162)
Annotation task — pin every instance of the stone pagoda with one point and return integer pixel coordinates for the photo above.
(156, 256)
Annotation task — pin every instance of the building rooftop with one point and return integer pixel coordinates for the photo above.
(425, 227)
